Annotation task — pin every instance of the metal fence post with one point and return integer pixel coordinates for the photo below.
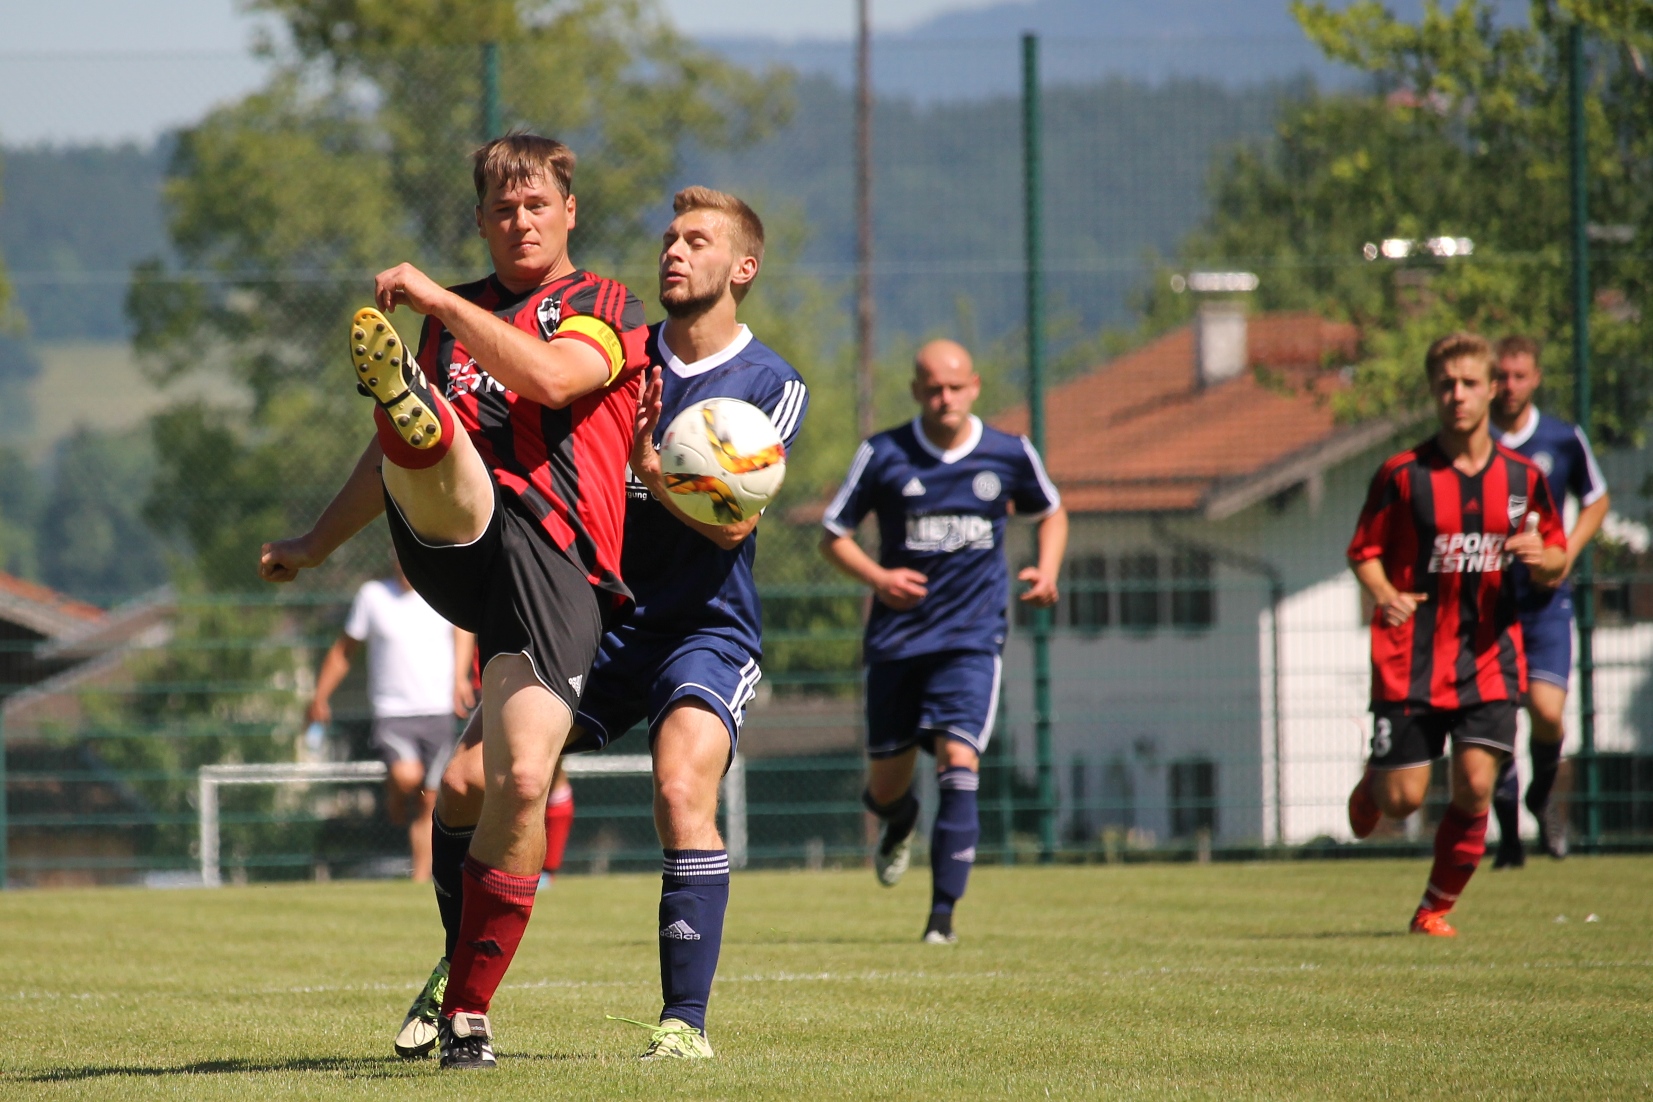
(493, 122)
(5, 823)
(1584, 580)
(1032, 193)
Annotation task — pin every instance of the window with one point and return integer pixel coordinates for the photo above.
(1087, 590)
(1193, 797)
(1139, 604)
(1193, 598)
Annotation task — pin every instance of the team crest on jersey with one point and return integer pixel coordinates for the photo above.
(1545, 462)
(986, 485)
(550, 314)
(948, 533)
(1518, 510)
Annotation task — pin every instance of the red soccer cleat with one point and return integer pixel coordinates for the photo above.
(1364, 815)
(1433, 923)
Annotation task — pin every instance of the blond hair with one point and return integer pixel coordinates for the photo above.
(1457, 346)
(518, 158)
(745, 227)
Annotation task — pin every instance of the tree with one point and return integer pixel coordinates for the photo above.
(1462, 134)
(353, 157)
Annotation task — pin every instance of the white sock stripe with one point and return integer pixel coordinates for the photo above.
(966, 782)
(1437, 893)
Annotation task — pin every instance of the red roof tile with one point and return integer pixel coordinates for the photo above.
(1139, 434)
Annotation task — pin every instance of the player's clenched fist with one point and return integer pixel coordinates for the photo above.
(282, 560)
(1041, 591)
(405, 285)
(901, 588)
(1398, 607)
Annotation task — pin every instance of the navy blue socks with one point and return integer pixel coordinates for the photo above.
(448, 847)
(953, 840)
(1546, 761)
(694, 894)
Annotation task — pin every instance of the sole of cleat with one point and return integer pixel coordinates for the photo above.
(416, 1040)
(382, 362)
(936, 937)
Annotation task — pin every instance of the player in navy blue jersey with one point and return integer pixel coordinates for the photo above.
(1560, 450)
(942, 487)
(686, 662)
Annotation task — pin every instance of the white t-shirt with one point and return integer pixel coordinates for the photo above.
(409, 651)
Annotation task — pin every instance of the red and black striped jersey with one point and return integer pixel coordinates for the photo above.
(566, 466)
(1441, 533)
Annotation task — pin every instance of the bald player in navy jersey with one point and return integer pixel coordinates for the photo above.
(943, 487)
(1559, 449)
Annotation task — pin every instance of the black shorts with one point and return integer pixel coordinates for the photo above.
(1404, 735)
(514, 590)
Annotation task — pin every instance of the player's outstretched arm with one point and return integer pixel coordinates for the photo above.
(1395, 607)
(1053, 547)
(357, 504)
(900, 588)
(552, 373)
(645, 464)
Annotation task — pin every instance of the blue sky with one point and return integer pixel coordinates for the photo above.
(108, 70)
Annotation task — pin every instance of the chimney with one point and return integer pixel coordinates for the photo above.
(1220, 341)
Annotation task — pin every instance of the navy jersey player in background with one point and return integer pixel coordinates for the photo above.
(686, 661)
(1559, 449)
(942, 487)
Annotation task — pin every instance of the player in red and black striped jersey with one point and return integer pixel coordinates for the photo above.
(499, 461)
(1441, 524)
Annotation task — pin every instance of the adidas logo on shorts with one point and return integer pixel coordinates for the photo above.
(576, 682)
(680, 931)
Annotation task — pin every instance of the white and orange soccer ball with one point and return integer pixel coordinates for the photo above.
(722, 460)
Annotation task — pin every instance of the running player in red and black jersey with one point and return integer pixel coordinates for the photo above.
(502, 476)
(1441, 523)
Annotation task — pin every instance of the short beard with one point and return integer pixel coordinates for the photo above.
(690, 304)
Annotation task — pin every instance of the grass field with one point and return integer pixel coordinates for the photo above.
(1222, 981)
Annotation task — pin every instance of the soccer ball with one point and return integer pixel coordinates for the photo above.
(722, 460)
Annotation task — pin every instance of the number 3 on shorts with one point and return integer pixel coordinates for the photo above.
(1381, 737)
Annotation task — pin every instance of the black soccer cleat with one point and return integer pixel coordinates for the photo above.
(466, 1042)
(1512, 853)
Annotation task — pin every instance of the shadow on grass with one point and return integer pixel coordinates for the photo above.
(1328, 935)
(348, 1067)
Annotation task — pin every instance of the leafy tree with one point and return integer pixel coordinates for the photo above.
(1463, 133)
(98, 547)
(353, 157)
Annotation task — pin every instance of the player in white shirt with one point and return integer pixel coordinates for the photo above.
(418, 681)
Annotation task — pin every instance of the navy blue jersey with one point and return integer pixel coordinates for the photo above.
(942, 514)
(683, 582)
(1559, 449)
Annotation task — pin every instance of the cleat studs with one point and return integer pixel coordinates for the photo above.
(416, 439)
(380, 328)
(390, 342)
(394, 362)
(359, 335)
(361, 350)
(373, 382)
(403, 420)
(379, 355)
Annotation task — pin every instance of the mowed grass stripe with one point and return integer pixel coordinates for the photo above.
(1233, 981)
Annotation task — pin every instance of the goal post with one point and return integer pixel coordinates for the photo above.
(212, 777)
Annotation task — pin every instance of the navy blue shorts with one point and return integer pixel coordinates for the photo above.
(912, 700)
(639, 676)
(1548, 635)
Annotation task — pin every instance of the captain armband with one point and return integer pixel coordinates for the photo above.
(599, 335)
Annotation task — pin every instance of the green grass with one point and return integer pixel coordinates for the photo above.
(1225, 981)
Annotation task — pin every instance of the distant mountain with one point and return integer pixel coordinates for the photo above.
(971, 54)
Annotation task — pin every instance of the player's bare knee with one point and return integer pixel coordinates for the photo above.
(686, 799)
(952, 754)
